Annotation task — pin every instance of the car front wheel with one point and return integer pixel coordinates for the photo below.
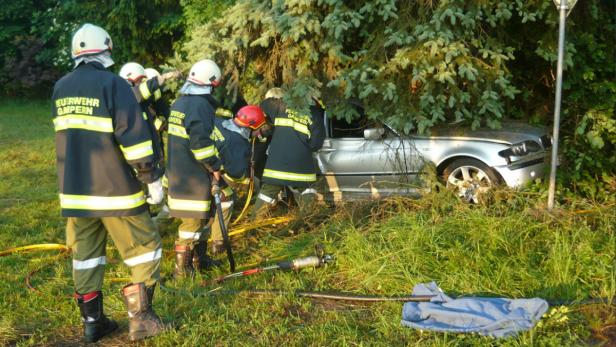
(470, 178)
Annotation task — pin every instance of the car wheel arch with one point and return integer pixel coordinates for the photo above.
(440, 168)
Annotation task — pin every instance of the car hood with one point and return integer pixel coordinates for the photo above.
(510, 132)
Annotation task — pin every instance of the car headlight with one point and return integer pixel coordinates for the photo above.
(519, 150)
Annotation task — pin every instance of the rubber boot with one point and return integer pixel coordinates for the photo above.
(96, 324)
(183, 261)
(201, 261)
(143, 321)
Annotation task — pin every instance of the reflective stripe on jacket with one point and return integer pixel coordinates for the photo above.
(102, 145)
(296, 136)
(191, 154)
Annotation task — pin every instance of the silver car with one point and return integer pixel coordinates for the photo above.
(365, 159)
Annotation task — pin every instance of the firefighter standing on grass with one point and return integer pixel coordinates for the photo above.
(232, 140)
(191, 163)
(289, 161)
(104, 153)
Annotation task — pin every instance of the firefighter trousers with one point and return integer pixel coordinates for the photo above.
(227, 208)
(191, 231)
(268, 196)
(135, 237)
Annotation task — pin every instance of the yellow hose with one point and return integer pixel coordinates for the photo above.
(255, 225)
(40, 247)
(251, 188)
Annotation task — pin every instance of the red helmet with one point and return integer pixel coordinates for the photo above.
(250, 116)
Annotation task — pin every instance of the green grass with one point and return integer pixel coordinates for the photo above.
(509, 248)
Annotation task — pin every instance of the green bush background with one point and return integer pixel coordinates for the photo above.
(414, 64)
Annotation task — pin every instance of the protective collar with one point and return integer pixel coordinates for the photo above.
(230, 125)
(190, 88)
(103, 58)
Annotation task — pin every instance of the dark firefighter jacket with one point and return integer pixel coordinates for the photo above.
(296, 136)
(155, 110)
(150, 95)
(191, 156)
(103, 145)
(233, 149)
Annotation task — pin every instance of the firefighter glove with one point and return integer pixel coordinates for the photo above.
(155, 190)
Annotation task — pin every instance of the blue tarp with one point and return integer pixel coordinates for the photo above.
(496, 317)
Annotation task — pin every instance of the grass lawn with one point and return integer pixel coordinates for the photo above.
(509, 248)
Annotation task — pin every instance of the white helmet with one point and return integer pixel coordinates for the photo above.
(205, 73)
(90, 39)
(132, 72)
(276, 93)
(151, 73)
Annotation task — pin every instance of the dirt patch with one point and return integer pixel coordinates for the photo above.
(603, 323)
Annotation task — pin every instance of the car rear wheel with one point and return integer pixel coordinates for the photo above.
(470, 179)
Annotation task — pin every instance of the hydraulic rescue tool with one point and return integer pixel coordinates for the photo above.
(221, 221)
(314, 261)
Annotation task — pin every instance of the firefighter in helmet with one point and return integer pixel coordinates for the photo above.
(192, 164)
(105, 153)
(290, 161)
(232, 139)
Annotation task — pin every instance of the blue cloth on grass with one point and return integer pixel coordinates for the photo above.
(496, 317)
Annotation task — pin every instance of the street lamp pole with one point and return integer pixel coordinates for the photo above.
(559, 86)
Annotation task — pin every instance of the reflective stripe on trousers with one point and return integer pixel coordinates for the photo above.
(189, 235)
(267, 199)
(144, 258)
(89, 263)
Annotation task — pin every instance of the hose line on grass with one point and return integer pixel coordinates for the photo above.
(39, 247)
(65, 251)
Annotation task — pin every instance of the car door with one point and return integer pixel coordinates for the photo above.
(355, 166)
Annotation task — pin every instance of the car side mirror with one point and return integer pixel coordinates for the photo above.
(374, 133)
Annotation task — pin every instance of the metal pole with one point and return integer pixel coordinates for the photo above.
(559, 86)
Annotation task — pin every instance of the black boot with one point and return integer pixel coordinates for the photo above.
(183, 261)
(96, 324)
(143, 321)
(201, 261)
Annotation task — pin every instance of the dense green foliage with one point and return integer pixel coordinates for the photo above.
(35, 43)
(509, 249)
(415, 64)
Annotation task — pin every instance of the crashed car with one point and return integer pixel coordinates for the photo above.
(368, 160)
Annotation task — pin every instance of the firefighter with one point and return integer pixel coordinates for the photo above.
(290, 161)
(191, 163)
(136, 76)
(232, 140)
(104, 153)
